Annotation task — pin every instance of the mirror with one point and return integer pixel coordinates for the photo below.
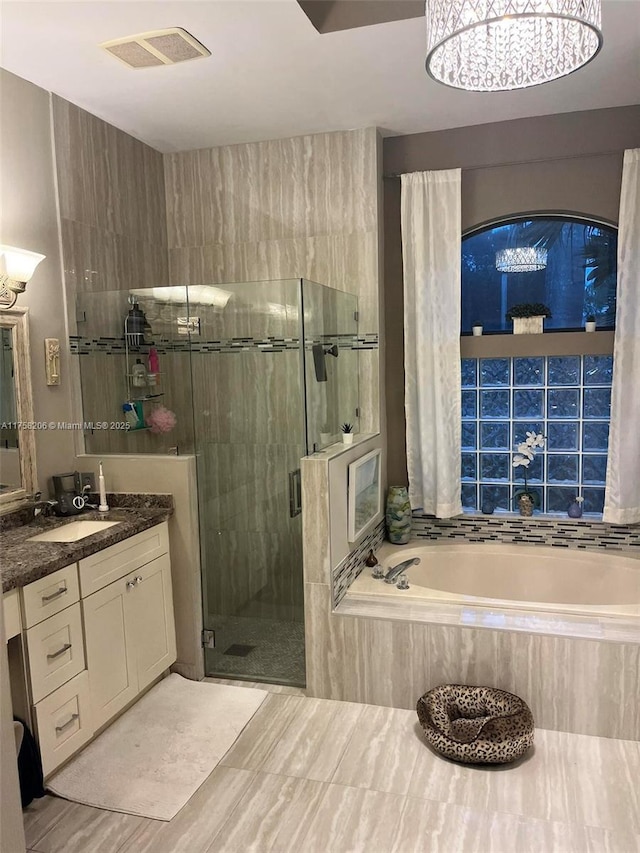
(17, 445)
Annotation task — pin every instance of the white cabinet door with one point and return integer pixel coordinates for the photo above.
(111, 654)
(152, 624)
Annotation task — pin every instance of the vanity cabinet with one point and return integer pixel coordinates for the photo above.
(130, 635)
(96, 633)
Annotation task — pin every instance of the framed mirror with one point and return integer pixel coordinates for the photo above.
(18, 477)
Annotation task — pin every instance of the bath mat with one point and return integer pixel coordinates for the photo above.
(151, 760)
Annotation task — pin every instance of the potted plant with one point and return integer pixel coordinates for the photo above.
(476, 329)
(528, 318)
(347, 433)
(326, 435)
(527, 498)
(590, 323)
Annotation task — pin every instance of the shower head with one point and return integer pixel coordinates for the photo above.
(332, 350)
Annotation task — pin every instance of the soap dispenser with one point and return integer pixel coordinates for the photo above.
(139, 374)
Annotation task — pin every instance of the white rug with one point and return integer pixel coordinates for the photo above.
(151, 760)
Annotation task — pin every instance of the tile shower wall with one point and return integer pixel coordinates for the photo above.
(566, 398)
(307, 206)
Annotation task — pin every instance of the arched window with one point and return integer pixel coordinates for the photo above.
(576, 277)
(551, 384)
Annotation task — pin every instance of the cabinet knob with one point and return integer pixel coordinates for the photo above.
(130, 584)
(138, 579)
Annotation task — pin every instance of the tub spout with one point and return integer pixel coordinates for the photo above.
(396, 571)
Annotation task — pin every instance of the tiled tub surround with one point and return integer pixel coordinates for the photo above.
(24, 561)
(557, 532)
(349, 569)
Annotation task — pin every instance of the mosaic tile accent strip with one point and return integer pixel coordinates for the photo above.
(560, 533)
(116, 346)
(349, 569)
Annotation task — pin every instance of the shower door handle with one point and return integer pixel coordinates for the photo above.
(295, 493)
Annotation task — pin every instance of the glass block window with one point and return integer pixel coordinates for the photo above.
(578, 279)
(566, 398)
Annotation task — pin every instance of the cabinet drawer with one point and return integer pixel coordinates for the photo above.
(64, 722)
(50, 595)
(114, 562)
(11, 607)
(56, 651)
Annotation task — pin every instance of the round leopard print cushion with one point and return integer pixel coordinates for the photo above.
(476, 725)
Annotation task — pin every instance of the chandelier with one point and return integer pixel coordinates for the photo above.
(497, 45)
(521, 259)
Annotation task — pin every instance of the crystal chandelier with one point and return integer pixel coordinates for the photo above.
(521, 259)
(497, 45)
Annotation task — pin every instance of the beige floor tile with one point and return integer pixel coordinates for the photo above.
(315, 740)
(265, 728)
(354, 820)
(41, 815)
(83, 828)
(272, 816)
(193, 828)
(382, 751)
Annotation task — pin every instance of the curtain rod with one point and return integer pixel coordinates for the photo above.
(514, 163)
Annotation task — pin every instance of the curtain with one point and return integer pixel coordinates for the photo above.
(431, 247)
(622, 494)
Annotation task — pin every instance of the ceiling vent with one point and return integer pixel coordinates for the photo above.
(159, 47)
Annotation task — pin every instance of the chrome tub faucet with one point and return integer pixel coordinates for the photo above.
(395, 571)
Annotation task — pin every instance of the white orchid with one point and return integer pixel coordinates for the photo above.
(534, 439)
(519, 459)
(523, 458)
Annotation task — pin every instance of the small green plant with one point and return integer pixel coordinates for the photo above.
(528, 309)
(347, 428)
(591, 318)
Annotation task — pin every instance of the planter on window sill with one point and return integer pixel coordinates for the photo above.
(528, 325)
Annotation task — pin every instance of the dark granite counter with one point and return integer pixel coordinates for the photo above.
(22, 562)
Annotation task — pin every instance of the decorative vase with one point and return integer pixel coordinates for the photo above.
(347, 438)
(590, 326)
(574, 510)
(525, 505)
(476, 330)
(528, 325)
(398, 515)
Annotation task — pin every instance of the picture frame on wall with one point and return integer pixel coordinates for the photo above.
(364, 484)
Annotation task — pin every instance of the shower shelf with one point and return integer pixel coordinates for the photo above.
(146, 398)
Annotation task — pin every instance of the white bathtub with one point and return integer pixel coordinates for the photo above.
(513, 576)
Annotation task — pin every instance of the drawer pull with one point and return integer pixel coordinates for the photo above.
(55, 594)
(138, 579)
(130, 584)
(61, 651)
(66, 725)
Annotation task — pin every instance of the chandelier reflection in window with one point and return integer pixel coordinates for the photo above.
(521, 259)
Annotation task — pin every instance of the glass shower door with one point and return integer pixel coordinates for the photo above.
(250, 435)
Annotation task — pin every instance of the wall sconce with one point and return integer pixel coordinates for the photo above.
(16, 268)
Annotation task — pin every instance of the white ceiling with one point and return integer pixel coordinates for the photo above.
(271, 75)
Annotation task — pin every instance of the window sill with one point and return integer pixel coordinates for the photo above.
(587, 517)
(548, 343)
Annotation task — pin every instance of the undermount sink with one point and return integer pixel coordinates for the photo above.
(73, 531)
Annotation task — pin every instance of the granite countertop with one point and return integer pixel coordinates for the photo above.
(22, 562)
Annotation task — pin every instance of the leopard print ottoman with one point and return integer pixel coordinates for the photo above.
(476, 725)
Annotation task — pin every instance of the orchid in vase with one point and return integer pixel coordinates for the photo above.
(527, 498)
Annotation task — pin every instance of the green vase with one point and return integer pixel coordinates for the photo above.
(398, 515)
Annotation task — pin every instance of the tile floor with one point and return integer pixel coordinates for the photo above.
(311, 775)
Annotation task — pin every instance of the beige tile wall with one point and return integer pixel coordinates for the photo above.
(303, 207)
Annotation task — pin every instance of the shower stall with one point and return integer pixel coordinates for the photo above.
(257, 375)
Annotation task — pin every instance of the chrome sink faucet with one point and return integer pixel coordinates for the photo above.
(395, 572)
